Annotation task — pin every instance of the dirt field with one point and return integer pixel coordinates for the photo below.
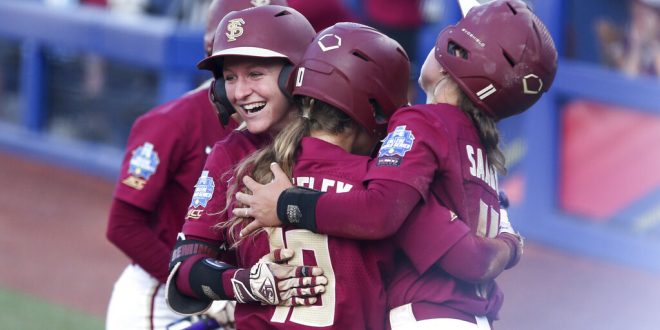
(53, 247)
(53, 235)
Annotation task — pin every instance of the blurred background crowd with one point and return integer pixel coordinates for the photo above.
(95, 98)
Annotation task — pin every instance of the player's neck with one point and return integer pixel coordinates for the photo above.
(344, 141)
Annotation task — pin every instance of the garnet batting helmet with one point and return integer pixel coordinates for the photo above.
(219, 8)
(266, 31)
(357, 69)
(508, 58)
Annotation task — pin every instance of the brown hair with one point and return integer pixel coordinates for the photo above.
(488, 132)
(314, 115)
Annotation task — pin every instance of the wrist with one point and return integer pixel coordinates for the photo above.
(516, 244)
(296, 206)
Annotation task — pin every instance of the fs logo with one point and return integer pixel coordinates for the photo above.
(234, 29)
(259, 3)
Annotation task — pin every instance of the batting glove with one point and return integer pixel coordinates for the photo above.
(270, 283)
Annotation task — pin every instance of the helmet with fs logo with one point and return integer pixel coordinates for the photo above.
(500, 54)
(264, 31)
(219, 8)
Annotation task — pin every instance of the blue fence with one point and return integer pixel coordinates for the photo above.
(172, 51)
(151, 42)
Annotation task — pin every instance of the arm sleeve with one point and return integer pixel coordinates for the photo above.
(188, 269)
(487, 258)
(195, 282)
(375, 213)
(128, 229)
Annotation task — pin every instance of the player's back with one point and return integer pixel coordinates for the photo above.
(462, 183)
(354, 297)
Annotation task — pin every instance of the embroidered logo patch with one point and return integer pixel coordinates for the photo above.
(203, 190)
(395, 146)
(143, 164)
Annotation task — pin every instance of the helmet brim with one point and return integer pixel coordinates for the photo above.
(207, 63)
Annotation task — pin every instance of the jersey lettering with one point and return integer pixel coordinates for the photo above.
(488, 226)
(479, 167)
(326, 184)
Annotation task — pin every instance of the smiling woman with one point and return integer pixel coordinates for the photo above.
(254, 52)
(252, 89)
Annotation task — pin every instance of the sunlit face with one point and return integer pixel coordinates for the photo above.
(430, 76)
(251, 85)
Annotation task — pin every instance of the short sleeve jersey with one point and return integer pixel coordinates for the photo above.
(436, 150)
(355, 296)
(209, 198)
(166, 150)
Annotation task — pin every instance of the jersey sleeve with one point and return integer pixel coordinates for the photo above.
(411, 152)
(209, 199)
(375, 213)
(428, 233)
(152, 154)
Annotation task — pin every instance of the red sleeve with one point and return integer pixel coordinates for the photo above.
(428, 233)
(477, 259)
(383, 207)
(128, 229)
(201, 219)
(184, 272)
(143, 185)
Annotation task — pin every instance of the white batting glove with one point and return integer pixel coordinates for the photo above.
(505, 224)
(271, 283)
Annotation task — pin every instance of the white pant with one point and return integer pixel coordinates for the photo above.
(402, 318)
(138, 302)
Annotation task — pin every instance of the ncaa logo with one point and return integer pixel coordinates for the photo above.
(234, 29)
(329, 42)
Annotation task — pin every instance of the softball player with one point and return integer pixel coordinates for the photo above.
(445, 151)
(166, 151)
(254, 51)
(327, 148)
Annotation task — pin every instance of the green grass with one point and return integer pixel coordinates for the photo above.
(19, 311)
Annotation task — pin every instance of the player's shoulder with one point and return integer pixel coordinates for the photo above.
(184, 106)
(437, 115)
(238, 144)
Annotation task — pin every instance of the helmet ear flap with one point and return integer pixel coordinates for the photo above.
(285, 81)
(218, 96)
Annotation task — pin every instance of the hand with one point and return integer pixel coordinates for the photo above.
(262, 204)
(507, 229)
(272, 283)
(222, 311)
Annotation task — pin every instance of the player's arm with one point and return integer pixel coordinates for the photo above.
(479, 259)
(139, 190)
(128, 230)
(374, 213)
(197, 278)
(488, 257)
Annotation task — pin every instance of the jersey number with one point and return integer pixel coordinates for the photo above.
(301, 240)
(489, 221)
(488, 226)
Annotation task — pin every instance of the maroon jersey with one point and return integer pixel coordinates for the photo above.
(166, 150)
(209, 198)
(355, 296)
(436, 150)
